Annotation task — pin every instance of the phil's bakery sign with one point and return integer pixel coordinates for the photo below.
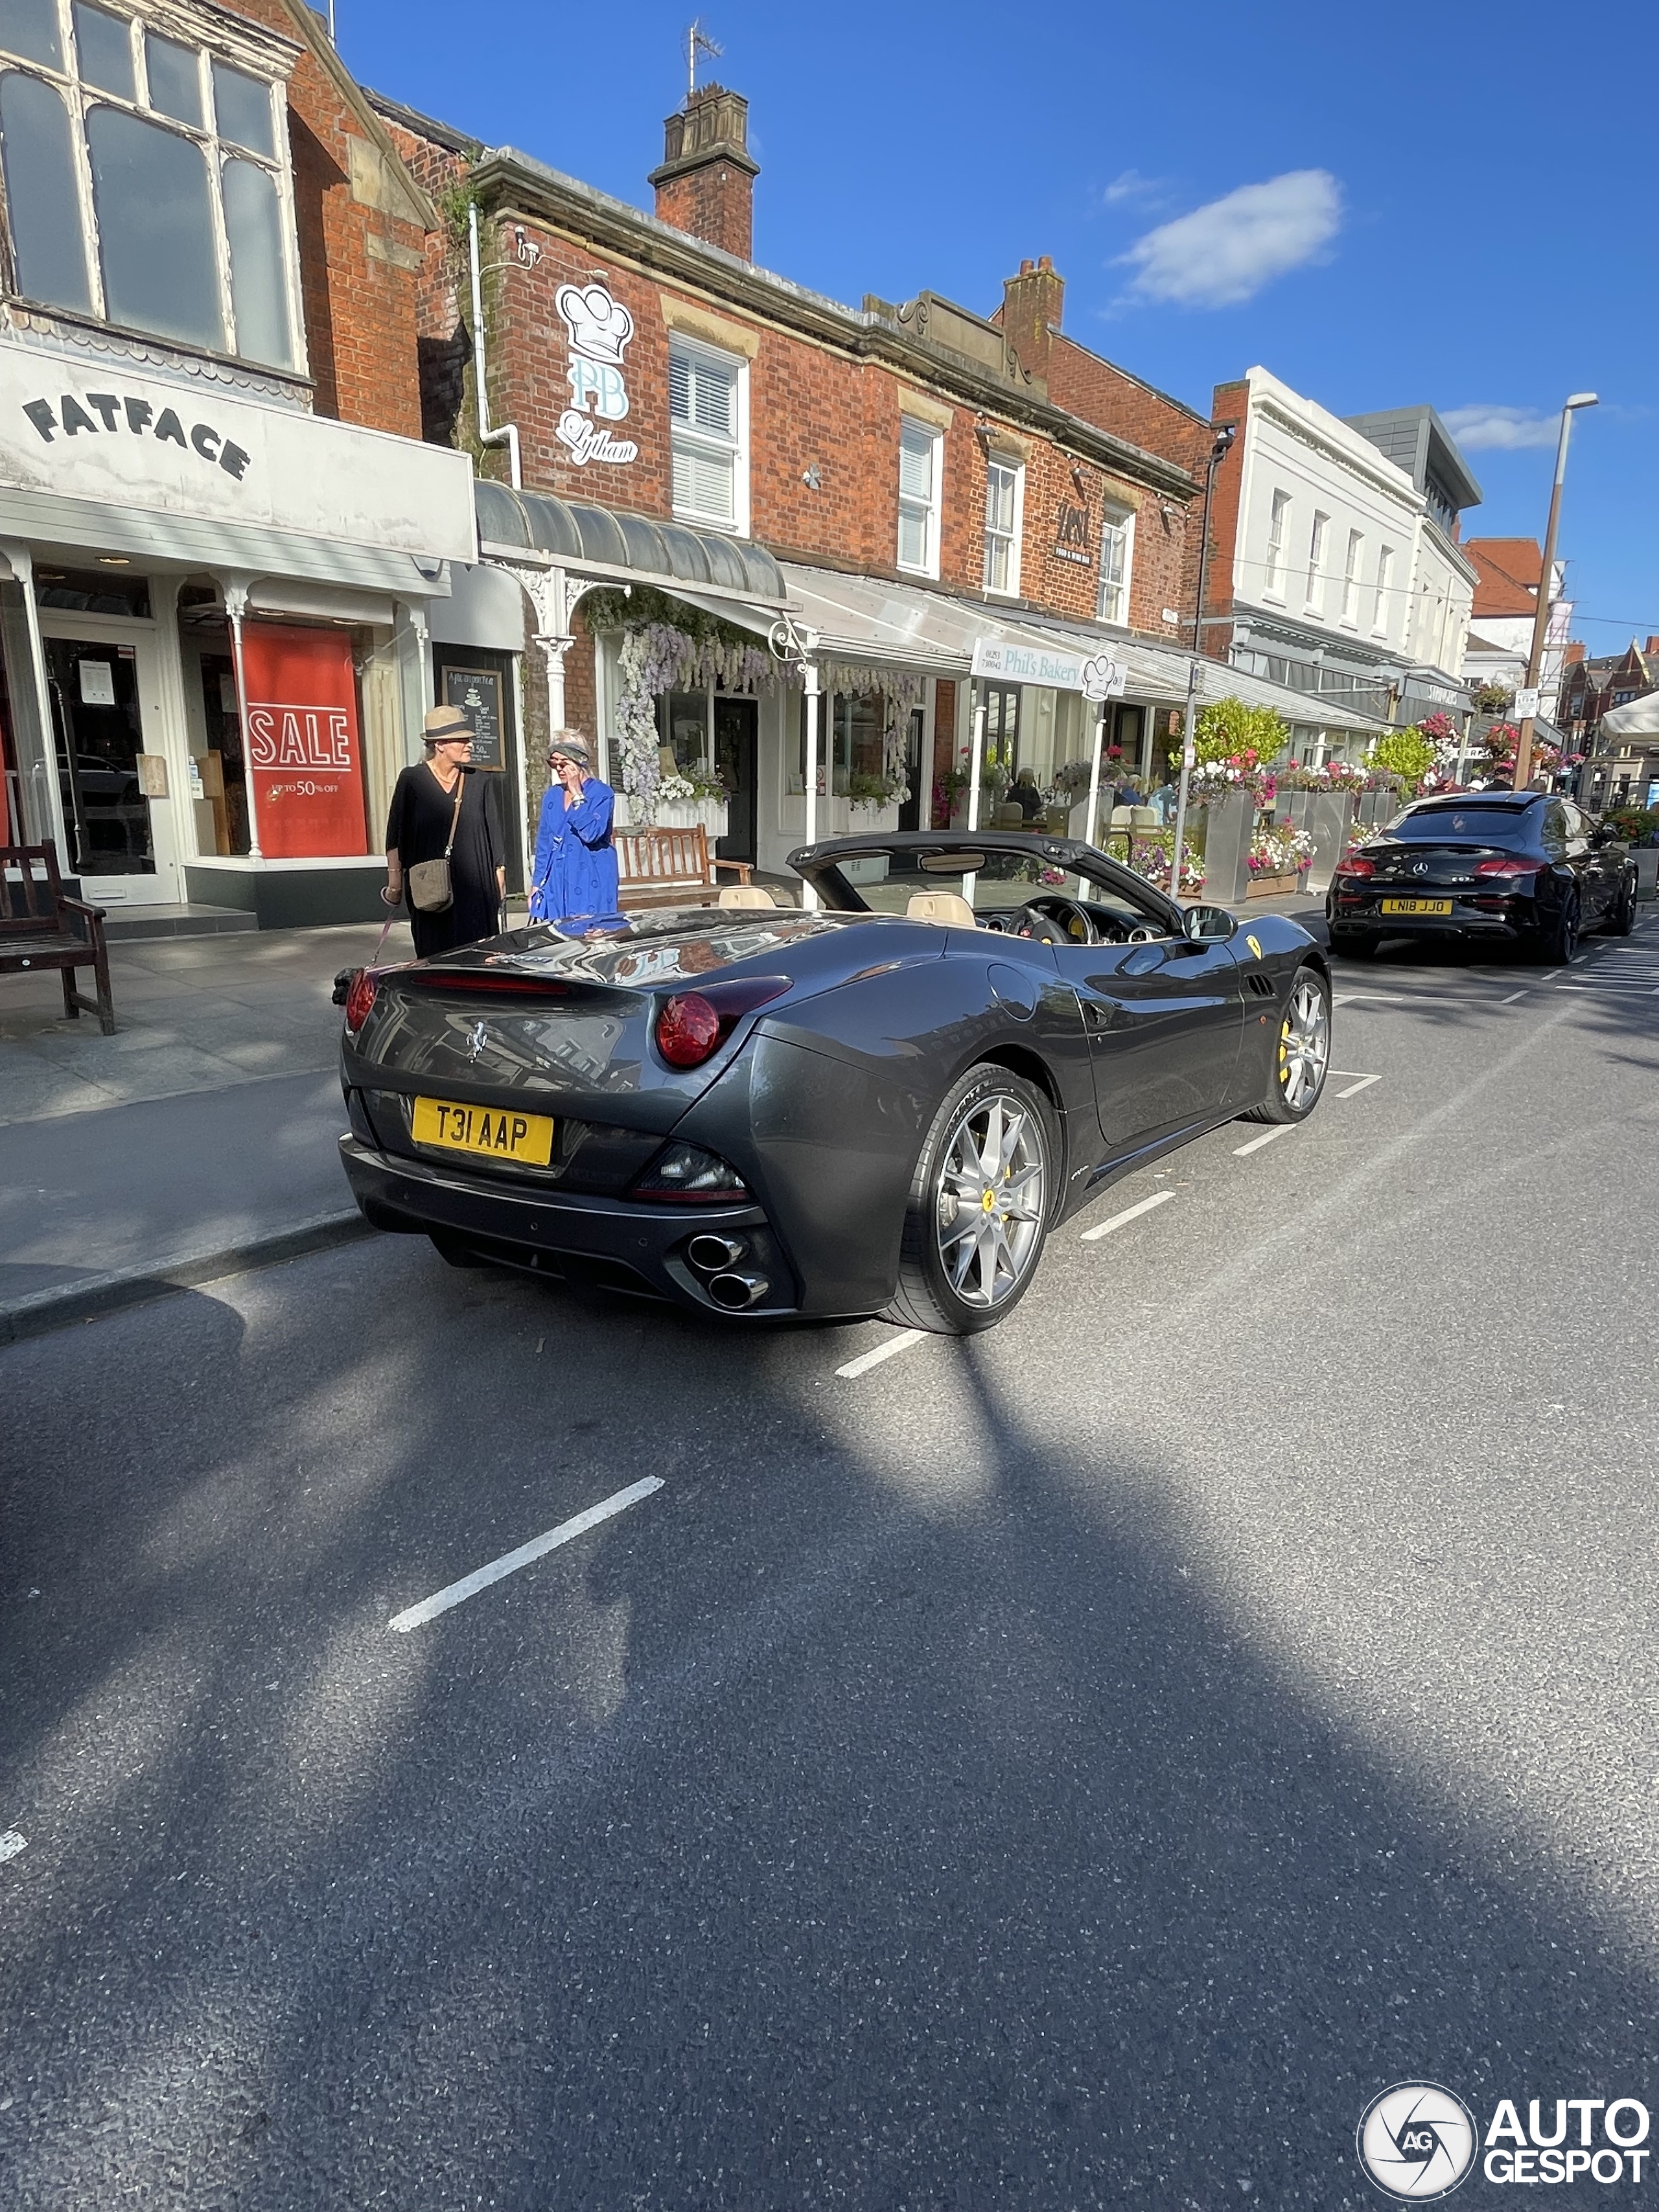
(71, 431)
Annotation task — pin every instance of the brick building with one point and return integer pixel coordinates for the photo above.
(221, 530)
(953, 510)
(1507, 570)
(1592, 687)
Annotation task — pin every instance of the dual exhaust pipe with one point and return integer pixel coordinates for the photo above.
(716, 1260)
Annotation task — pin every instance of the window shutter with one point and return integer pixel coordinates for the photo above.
(915, 464)
(714, 398)
(679, 386)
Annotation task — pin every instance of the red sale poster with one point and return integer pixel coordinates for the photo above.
(304, 750)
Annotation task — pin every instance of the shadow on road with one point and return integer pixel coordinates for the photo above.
(816, 1835)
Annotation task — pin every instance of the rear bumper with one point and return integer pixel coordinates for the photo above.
(1495, 917)
(605, 1243)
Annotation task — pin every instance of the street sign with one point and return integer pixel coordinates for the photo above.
(1525, 708)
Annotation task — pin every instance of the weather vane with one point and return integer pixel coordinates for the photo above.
(698, 41)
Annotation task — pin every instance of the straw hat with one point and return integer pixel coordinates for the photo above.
(443, 722)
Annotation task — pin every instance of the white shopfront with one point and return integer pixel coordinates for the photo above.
(214, 616)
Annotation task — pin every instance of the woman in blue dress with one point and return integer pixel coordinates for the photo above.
(574, 879)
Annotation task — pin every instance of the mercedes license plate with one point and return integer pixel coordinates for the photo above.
(1417, 906)
(484, 1129)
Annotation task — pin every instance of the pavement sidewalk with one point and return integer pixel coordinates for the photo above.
(199, 1135)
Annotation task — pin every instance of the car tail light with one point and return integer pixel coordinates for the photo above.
(1356, 865)
(685, 1175)
(693, 1025)
(1508, 865)
(359, 998)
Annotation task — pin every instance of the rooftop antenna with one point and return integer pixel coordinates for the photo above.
(698, 41)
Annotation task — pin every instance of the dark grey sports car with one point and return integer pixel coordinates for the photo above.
(880, 1107)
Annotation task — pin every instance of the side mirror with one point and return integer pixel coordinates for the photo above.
(1210, 923)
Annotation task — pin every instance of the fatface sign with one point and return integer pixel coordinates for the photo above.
(599, 329)
(1097, 676)
(304, 753)
(90, 430)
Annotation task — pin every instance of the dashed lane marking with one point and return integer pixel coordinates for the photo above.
(894, 1345)
(1512, 999)
(10, 1844)
(510, 1562)
(1241, 1151)
(1129, 1213)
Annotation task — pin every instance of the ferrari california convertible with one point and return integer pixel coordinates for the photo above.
(878, 1103)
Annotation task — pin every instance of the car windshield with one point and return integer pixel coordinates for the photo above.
(1476, 825)
(996, 884)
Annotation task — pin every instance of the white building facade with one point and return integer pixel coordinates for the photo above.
(1333, 571)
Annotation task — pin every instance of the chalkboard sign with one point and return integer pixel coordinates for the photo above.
(477, 693)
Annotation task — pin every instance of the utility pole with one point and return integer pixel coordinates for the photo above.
(1540, 621)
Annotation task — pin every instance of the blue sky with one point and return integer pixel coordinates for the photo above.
(1381, 206)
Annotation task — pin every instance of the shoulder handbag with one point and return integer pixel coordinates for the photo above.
(430, 890)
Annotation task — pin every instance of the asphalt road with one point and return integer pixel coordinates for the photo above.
(1079, 1767)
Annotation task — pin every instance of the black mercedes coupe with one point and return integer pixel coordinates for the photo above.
(1523, 866)
(879, 1107)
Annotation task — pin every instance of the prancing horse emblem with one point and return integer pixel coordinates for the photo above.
(477, 1037)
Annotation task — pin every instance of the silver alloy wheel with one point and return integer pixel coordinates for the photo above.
(1304, 1046)
(992, 1198)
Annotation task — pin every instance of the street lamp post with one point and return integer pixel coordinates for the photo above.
(1540, 621)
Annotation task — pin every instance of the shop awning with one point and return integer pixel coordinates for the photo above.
(862, 618)
(604, 542)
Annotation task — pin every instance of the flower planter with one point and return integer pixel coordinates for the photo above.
(1273, 886)
(1229, 823)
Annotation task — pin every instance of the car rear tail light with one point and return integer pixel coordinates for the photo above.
(1356, 865)
(359, 998)
(693, 1025)
(1508, 865)
(685, 1175)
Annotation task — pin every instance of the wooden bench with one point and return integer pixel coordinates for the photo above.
(670, 867)
(39, 929)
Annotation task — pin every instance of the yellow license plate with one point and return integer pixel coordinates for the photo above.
(484, 1129)
(1417, 906)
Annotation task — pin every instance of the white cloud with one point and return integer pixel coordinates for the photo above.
(1222, 254)
(1131, 186)
(1486, 429)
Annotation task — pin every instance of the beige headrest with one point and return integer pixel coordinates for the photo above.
(948, 907)
(747, 895)
(1145, 817)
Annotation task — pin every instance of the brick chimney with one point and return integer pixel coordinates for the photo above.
(706, 185)
(1576, 650)
(1650, 648)
(1031, 306)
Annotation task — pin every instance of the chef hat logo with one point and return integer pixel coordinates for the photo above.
(599, 326)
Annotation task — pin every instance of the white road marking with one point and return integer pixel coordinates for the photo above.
(1512, 999)
(1553, 973)
(1364, 1083)
(10, 1844)
(1129, 1213)
(510, 1562)
(894, 1345)
(1256, 1143)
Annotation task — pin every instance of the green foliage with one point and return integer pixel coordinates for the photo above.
(1637, 825)
(1406, 753)
(1228, 730)
(1492, 698)
(645, 605)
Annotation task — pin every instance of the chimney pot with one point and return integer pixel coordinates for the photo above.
(1024, 268)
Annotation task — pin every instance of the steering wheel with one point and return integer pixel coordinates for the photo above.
(1074, 918)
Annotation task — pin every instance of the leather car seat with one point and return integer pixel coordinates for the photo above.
(948, 908)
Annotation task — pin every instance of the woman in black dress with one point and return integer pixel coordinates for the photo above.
(418, 828)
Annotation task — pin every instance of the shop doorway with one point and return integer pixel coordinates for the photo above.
(910, 811)
(736, 764)
(112, 778)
